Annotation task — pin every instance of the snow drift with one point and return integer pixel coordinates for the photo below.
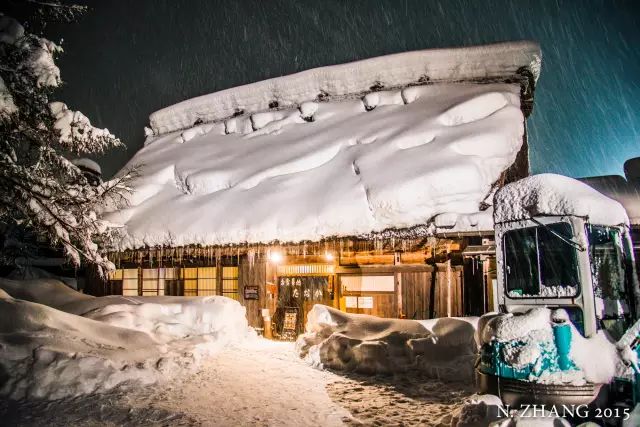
(487, 410)
(327, 169)
(444, 348)
(87, 344)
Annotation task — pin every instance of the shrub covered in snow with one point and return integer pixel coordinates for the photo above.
(444, 348)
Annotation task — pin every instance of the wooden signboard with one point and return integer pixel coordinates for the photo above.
(290, 323)
(251, 292)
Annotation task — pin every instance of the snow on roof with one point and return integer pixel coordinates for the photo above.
(89, 164)
(329, 169)
(501, 60)
(550, 194)
(478, 222)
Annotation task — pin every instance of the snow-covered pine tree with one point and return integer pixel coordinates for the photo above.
(40, 189)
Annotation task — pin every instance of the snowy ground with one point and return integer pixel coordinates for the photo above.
(72, 359)
(87, 361)
(261, 383)
(398, 400)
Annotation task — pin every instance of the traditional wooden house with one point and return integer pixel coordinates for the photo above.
(366, 186)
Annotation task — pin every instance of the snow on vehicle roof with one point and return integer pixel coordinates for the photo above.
(501, 60)
(329, 169)
(551, 194)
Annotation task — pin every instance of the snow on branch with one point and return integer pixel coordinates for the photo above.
(41, 190)
(76, 132)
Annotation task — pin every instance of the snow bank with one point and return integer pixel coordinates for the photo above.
(502, 60)
(177, 317)
(26, 270)
(117, 341)
(550, 194)
(334, 169)
(529, 342)
(47, 291)
(444, 348)
(487, 410)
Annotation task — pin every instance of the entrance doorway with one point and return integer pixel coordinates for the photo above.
(296, 296)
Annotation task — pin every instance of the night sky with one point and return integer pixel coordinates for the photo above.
(126, 59)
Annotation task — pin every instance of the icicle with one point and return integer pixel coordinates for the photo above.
(251, 256)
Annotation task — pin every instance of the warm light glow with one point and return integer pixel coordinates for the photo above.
(328, 256)
(275, 257)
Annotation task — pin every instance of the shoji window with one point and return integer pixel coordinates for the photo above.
(207, 281)
(190, 280)
(130, 281)
(150, 282)
(230, 282)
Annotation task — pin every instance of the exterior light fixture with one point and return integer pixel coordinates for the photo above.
(328, 256)
(275, 257)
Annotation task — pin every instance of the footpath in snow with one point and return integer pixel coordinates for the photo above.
(261, 383)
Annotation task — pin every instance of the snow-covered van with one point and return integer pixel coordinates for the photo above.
(567, 293)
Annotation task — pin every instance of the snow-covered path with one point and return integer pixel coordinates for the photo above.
(262, 383)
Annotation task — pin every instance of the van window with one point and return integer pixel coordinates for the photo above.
(540, 262)
(612, 298)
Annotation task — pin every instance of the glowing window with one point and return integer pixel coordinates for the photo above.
(230, 282)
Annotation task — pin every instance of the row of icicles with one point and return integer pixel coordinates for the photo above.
(212, 255)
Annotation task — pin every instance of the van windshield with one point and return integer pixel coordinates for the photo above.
(540, 262)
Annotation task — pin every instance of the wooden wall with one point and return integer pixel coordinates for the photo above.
(443, 291)
(422, 299)
(422, 291)
(416, 293)
(253, 275)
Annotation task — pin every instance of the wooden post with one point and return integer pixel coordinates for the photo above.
(398, 279)
(266, 320)
(449, 290)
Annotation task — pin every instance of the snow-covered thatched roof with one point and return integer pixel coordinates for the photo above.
(499, 61)
(346, 166)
